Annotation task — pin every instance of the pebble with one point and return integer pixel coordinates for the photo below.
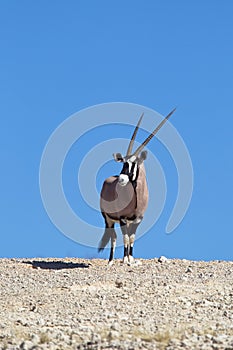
(162, 259)
(189, 270)
(26, 345)
(115, 326)
(119, 283)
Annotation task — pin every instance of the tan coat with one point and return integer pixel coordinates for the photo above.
(124, 201)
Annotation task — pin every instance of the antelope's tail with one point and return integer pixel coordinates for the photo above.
(104, 240)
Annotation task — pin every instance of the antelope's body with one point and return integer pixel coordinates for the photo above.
(124, 198)
(124, 203)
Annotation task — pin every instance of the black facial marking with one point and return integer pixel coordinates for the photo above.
(129, 171)
(125, 169)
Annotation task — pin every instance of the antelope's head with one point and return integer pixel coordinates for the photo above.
(132, 161)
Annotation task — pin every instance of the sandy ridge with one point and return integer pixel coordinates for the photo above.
(84, 304)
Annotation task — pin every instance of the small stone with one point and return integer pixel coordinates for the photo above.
(189, 270)
(41, 322)
(26, 345)
(113, 335)
(33, 308)
(162, 259)
(220, 339)
(208, 337)
(95, 338)
(185, 344)
(35, 339)
(119, 283)
(115, 326)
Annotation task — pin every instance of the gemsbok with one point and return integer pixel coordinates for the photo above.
(124, 198)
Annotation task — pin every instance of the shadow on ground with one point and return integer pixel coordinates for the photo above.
(56, 265)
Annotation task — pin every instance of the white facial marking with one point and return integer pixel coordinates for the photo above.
(132, 159)
(123, 179)
(130, 163)
(135, 172)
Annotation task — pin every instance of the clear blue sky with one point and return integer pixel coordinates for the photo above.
(58, 57)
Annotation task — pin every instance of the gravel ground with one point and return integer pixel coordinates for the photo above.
(84, 304)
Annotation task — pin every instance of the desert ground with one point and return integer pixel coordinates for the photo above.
(86, 304)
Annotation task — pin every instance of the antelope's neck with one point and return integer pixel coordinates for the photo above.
(141, 173)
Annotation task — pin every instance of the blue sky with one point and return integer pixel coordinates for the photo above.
(59, 57)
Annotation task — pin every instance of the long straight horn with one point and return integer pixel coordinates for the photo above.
(139, 149)
(129, 150)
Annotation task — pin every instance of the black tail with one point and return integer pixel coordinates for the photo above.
(104, 240)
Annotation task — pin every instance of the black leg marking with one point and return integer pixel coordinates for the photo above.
(126, 251)
(131, 250)
(111, 254)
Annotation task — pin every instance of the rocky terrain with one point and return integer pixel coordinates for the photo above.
(84, 304)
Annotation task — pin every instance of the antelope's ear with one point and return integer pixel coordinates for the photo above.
(142, 156)
(118, 157)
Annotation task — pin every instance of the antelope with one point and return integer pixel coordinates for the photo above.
(124, 198)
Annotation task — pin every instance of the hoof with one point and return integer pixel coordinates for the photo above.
(125, 260)
(131, 259)
(110, 263)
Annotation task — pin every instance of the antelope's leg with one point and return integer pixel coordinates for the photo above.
(131, 243)
(124, 230)
(132, 232)
(113, 245)
(126, 248)
(109, 233)
(112, 233)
